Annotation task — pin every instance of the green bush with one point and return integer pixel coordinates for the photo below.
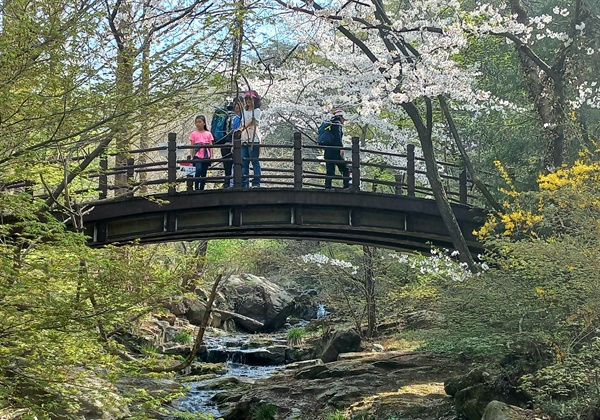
(265, 412)
(183, 337)
(536, 312)
(149, 349)
(295, 336)
(569, 389)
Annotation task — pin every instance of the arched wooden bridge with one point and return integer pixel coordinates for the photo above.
(151, 199)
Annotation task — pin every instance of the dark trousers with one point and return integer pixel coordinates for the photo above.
(201, 170)
(227, 157)
(333, 158)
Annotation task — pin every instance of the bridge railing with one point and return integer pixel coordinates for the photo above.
(167, 169)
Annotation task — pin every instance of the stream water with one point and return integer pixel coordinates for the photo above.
(243, 361)
(198, 400)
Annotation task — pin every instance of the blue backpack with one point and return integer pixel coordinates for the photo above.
(220, 126)
(325, 137)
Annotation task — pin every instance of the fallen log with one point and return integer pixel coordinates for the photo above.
(235, 315)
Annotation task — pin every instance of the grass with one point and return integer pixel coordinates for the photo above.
(183, 337)
(149, 349)
(265, 412)
(295, 336)
(404, 341)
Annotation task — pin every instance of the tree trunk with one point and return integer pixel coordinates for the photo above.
(145, 93)
(369, 280)
(444, 207)
(465, 157)
(200, 335)
(121, 28)
(120, 129)
(546, 85)
(235, 315)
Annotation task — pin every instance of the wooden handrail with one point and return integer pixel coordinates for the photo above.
(295, 165)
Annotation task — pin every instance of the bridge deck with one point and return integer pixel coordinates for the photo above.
(389, 221)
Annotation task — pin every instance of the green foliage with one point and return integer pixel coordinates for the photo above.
(149, 349)
(295, 336)
(61, 303)
(265, 412)
(569, 389)
(183, 337)
(338, 415)
(259, 256)
(536, 311)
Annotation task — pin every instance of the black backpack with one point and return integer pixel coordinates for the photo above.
(325, 137)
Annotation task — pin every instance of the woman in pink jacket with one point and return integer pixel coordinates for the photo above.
(201, 137)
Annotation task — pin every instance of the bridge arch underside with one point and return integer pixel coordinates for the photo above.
(387, 221)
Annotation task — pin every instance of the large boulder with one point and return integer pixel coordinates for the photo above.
(474, 391)
(460, 382)
(336, 342)
(306, 304)
(471, 401)
(259, 299)
(196, 310)
(191, 308)
(497, 410)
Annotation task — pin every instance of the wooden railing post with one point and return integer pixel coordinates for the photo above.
(172, 163)
(410, 170)
(130, 173)
(297, 161)
(103, 178)
(237, 163)
(462, 187)
(398, 178)
(355, 168)
(189, 183)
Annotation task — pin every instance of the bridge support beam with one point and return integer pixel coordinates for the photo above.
(170, 222)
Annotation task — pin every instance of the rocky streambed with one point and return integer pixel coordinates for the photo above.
(330, 371)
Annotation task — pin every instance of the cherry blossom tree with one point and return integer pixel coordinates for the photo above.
(557, 83)
(391, 65)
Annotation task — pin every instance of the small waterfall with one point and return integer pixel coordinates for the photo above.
(233, 352)
(321, 311)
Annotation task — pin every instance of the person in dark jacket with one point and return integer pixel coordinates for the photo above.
(334, 155)
(222, 133)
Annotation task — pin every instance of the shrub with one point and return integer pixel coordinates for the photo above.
(149, 349)
(537, 311)
(265, 412)
(569, 389)
(295, 336)
(183, 337)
